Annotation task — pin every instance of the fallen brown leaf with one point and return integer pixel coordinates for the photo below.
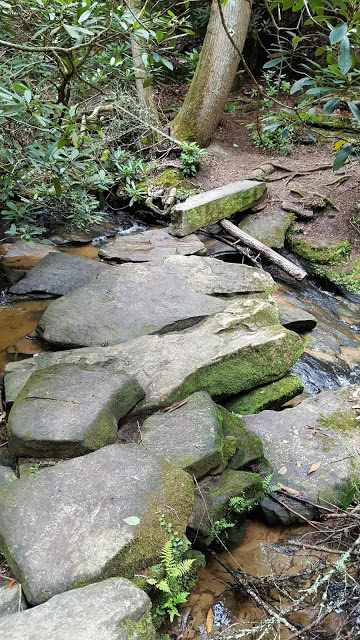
(209, 620)
(298, 464)
(11, 584)
(314, 467)
(292, 492)
(282, 471)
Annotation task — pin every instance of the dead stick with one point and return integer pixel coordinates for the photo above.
(270, 254)
(240, 250)
(283, 504)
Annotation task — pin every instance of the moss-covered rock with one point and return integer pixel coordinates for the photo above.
(172, 177)
(88, 501)
(268, 229)
(270, 396)
(212, 515)
(346, 275)
(206, 208)
(245, 447)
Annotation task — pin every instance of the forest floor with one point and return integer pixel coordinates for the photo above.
(232, 156)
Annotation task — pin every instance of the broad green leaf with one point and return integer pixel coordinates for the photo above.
(132, 521)
(299, 84)
(298, 5)
(12, 229)
(319, 51)
(331, 105)
(74, 154)
(28, 95)
(317, 90)
(338, 32)
(160, 35)
(342, 155)
(345, 57)
(166, 63)
(73, 33)
(354, 110)
(349, 497)
(147, 82)
(287, 4)
(19, 86)
(274, 62)
(335, 69)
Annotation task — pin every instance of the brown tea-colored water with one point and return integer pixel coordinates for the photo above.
(16, 321)
(263, 551)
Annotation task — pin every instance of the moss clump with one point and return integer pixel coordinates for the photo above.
(248, 446)
(267, 397)
(171, 178)
(142, 629)
(318, 254)
(343, 421)
(346, 275)
(102, 433)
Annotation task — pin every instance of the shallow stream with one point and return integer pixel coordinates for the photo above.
(331, 359)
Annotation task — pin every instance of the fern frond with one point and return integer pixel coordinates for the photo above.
(163, 586)
(181, 568)
(167, 556)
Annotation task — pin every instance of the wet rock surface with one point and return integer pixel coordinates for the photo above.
(270, 229)
(109, 610)
(68, 410)
(57, 274)
(87, 501)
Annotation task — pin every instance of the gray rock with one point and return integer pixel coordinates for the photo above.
(209, 207)
(65, 526)
(270, 396)
(324, 429)
(68, 410)
(211, 505)
(78, 236)
(59, 273)
(296, 319)
(111, 610)
(6, 475)
(9, 276)
(151, 246)
(244, 447)
(10, 601)
(190, 436)
(270, 229)
(230, 352)
(134, 300)
(22, 254)
(297, 209)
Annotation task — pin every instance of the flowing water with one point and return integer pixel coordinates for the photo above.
(331, 359)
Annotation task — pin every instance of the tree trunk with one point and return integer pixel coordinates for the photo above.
(205, 101)
(145, 94)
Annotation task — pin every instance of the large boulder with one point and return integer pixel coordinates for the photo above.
(229, 352)
(206, 208)
(11, 600)
(68, 410)
(323, 431)
(134, 300)
(190, 436)
(66, 526)
(57, 274)
(270, 396)
(151, 246)
(111, 610)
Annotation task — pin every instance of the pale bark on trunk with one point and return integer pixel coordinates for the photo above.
(145, 94)
(205, 101)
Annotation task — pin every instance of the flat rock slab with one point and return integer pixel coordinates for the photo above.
(232, 351)
(57, 274)
(270, 396)
(268, 229)
(10, 599)
(68, 410)
(21, 254)
(323, 429)
(138, 299)
(107, 611)
(211, 504)
(65, 526)
(190, 436)
(296, 319)
(151, 246)
(209, 207)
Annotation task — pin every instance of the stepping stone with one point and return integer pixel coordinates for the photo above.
(68, 410)
(206, 208)
(324, 431)
(211, 505)
(190, 436)
(270, 229)
(111, 610)
(57, 274)
(151, 246)
(232, 351)
(67, 525)
(133, 300)
(10, 599)
(271, 396)
(23, 255)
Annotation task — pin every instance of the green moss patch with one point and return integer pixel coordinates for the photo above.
(267, 397)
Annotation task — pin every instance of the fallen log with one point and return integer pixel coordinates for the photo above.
(295, 272)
